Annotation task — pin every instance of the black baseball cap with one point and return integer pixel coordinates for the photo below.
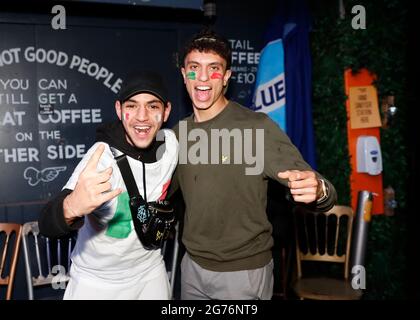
(143, 82)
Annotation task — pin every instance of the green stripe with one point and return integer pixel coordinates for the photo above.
(191, 75)
(120, 225)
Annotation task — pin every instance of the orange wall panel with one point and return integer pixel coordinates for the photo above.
(362, 181)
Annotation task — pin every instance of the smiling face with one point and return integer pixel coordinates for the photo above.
(205, 77)
(142, 116)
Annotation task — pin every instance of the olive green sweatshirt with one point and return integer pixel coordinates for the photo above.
(223, 171)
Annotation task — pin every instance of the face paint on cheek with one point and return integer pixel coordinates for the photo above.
(191, 75)
(126, 117)
(158, 118)
(216, 75)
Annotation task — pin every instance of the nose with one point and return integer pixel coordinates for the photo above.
(142, 113)
(203, 75)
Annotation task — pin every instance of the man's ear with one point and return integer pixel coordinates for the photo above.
(183, 74)
(167, 111)
(226, 77)
(118, 108)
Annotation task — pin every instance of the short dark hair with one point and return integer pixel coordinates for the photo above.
(207, 41)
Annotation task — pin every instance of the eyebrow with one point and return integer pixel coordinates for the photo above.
(154, 101)
(210, 64)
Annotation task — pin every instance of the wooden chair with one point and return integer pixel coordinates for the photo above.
(323, 241)
(47, 261)
(9, 249)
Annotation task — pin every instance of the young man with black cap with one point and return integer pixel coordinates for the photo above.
(109, 261)
(226, 231)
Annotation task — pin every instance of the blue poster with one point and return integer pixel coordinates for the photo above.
(270, 90)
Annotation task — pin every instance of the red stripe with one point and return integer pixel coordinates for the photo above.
(165, 190)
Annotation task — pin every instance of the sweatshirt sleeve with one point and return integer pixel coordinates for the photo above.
(51, 220)
(280, 155)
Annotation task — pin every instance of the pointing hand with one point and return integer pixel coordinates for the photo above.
(303, 184)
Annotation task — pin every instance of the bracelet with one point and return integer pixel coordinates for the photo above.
(324, 191)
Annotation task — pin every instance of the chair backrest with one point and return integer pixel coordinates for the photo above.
(323, 237)
(9, 250)
(47, 261)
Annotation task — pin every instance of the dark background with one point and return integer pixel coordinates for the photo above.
(124, 37)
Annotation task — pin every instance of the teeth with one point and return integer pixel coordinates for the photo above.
(203, 88)
(142, 127)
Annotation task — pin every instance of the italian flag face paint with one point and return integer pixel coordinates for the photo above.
(216, 75)
(126, 116)
(191, 75)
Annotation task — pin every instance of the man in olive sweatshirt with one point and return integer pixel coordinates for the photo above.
(227, 154)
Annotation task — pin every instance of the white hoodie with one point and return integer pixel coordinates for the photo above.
(108, 252)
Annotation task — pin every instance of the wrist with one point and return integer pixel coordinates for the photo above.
(69, 213)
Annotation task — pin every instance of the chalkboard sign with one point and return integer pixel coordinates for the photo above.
(56, 87)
